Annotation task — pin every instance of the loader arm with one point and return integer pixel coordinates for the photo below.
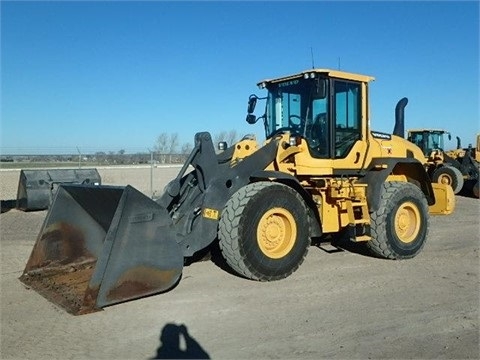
(202, 193)
(102, 245)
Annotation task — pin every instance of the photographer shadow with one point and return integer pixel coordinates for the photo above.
(176, 343)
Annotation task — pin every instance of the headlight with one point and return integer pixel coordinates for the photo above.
(294, 140)
(222, 145)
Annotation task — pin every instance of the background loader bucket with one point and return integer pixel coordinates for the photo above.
(37, 188)
(101, 245)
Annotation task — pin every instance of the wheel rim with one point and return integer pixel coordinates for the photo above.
(445, 179)
(407, 222)
(276, 233)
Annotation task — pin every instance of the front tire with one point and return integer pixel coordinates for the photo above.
(449, 175)
(264, 231)
(400, 225)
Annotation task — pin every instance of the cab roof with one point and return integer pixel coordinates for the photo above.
(326, 72)
(428, 130)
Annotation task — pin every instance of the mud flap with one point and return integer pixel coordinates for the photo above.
(102, 245)
(444, 200)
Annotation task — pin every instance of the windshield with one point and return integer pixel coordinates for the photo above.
(428, 141)
(291, 106)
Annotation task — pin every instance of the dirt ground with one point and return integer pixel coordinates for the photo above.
(340, 304)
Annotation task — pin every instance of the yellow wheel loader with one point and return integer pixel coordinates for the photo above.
(321, 170)
(461, 152)
(468, 162)
(458, 168)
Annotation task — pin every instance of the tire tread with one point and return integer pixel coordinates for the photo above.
(230, 228)
(380, 244)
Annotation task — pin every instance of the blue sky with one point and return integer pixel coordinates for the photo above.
(106, 76)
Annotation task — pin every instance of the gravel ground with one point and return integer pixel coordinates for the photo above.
(339, 305)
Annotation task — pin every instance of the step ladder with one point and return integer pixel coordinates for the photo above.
(353, 222)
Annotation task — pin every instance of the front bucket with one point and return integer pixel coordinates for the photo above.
(101, 245)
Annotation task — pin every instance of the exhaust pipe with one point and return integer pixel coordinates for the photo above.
(399, 129)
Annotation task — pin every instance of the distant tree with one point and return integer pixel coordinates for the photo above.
(101, 157)
(186, 148)
(173, 144)
(161, 145)
(121, 152)
(221, 136)
(232, 137)
(111, 157)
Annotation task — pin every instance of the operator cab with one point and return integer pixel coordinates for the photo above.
(428, 139)
(322, 106)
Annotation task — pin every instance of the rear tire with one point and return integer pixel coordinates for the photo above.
(400, 225)
(264, 231)
(449, 175)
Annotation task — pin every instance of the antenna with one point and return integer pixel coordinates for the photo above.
(311, 53)
(339, 63)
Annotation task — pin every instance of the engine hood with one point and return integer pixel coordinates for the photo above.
(386, 145)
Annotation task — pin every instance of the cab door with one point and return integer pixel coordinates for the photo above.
(347, 123)
(337, 137)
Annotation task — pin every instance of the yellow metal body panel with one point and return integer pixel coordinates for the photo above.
(414, 131)
(297, 160)
(336, 200)
(244, 148)
(210, 213)
(327, 72)
(444, 200)
(401, 177)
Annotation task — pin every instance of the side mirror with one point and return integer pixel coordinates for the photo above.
(251, 119)
(449, 137)
(252, 102)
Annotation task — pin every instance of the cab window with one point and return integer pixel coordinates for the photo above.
(347, 116)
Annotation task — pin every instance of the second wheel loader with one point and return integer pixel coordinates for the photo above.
(321, 170)
(469, 160)
(458, 168)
